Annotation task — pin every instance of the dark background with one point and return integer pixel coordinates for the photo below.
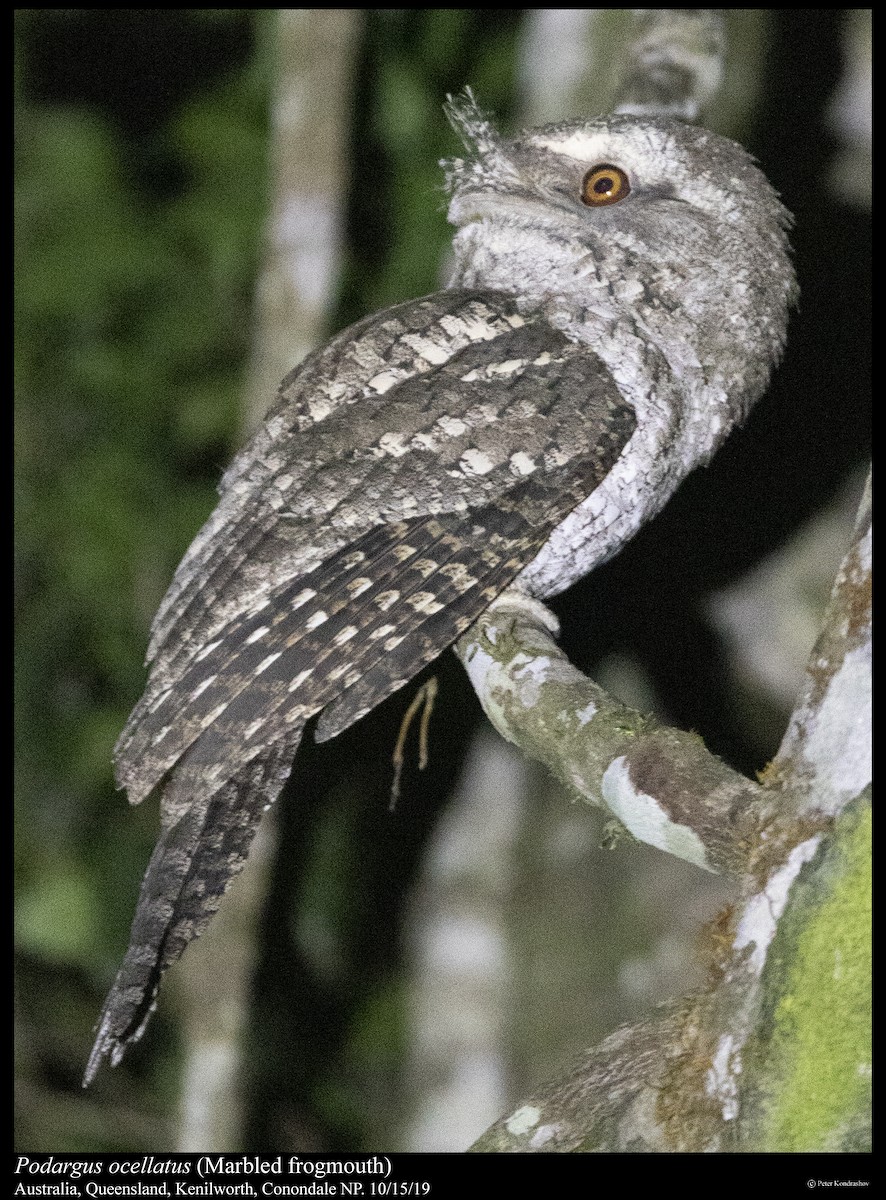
(142, 140)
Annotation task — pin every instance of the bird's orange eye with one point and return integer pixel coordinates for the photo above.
(604, 184)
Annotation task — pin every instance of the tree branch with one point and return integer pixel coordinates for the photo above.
(660, 783)
(825, 756)
(709, 1072)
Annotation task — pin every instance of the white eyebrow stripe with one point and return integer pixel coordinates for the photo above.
(579, 145)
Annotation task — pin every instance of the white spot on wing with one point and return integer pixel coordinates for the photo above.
(430, 351)
(201, 687)
(425, 567)
(266, 662)
(522, 463)
(303, 597)
(382, 631)
(317, 619)
(203, 653)
(259, 633)
(319, 409)
(383, 382)
(475, 462)
(475, 329)
(300, 678)
(459, 575)
(511, 367)
(394, 444)
(452, 425)
(424, 441)
(424, 602)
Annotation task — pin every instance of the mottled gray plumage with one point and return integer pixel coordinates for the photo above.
(513, 430)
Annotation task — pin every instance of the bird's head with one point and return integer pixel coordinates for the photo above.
(650, 220)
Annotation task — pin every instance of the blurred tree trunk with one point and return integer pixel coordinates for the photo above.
(309, 118)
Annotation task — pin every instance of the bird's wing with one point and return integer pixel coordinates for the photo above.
(387, 501)
(405, 509)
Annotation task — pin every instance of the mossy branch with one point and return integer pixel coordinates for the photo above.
(757, 1061)
(659, 782)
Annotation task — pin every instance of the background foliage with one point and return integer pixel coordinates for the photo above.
(141, 140)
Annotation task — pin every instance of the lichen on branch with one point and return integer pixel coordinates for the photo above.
(757, 1061)
(661, 783)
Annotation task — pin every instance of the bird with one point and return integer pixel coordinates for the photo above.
(619, 296)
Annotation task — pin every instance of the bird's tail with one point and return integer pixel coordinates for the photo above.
(205, 838)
